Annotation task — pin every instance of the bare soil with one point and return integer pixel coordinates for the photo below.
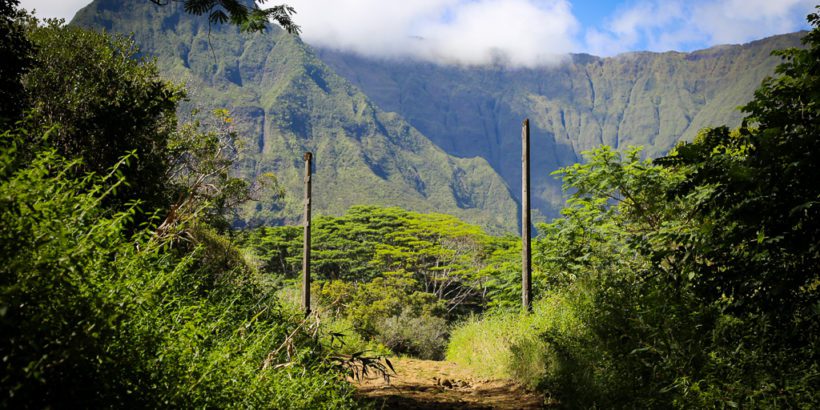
(425, 384)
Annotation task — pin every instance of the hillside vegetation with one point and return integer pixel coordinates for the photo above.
(285, 101)
(641, 98)
(426, 137)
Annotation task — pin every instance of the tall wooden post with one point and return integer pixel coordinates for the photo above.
(306, 244)
(526, 233)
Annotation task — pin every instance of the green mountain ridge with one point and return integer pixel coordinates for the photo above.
(428, 137)
(638, 98)
(286, 101)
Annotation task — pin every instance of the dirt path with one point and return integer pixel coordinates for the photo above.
(424, 384)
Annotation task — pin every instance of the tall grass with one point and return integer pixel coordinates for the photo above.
(93, 316)
(510, 344)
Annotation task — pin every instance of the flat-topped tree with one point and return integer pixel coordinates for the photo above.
(243, 13)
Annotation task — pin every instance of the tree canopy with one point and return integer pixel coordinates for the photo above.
(245, 14)
(761, 219)
(16, 53)
(100, 101)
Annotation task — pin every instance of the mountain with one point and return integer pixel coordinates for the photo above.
(431, 137)
(650, 99)
(285, 101)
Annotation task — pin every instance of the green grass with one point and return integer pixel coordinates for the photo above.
(336, 332)
(511, 344)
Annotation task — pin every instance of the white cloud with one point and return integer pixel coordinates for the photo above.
(661, 25)
(469, 32)
(64, 9)
(741, 20)
(518, 32)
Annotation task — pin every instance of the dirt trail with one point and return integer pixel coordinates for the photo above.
(424, 384)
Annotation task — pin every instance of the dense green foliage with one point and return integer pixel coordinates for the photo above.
(15, 52)
(100, 310)
(397, 277)
(690, 281)
(102, 102)
(245, 14)
(94, 317)
(627, 321)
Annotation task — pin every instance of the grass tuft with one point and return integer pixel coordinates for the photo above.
(509, 344)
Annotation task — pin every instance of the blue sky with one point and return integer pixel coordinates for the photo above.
(594, 13)
(523, 32)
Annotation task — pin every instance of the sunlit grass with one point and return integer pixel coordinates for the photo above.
(510, 344)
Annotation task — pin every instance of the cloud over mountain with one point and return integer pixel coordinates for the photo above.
(468, 32)
(662, 25)
(521, 33)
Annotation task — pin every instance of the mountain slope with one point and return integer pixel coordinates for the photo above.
(651, 99)
(286, 101)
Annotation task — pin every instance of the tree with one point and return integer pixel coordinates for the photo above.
(442, 253)
(245, 14)
(761, 242)
(101, 101)
(615, 257)
(201, 158)
(16, 54)
(696, 276)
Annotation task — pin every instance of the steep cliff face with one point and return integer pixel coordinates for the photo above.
(430, 137)
(286, 101)
(650, 99)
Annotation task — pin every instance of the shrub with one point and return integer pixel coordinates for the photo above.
(424, 337)
(103, 99)
(339, 332)
(93, 316)
(366, 305)
(387, 313)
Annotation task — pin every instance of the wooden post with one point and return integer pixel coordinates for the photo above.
(526, 233)
(306, 244)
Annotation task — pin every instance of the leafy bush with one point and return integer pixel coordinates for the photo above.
(103, 99)
(629, 255)
(339, 332)
(422, 336)
(379, 310)
(95, 317)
